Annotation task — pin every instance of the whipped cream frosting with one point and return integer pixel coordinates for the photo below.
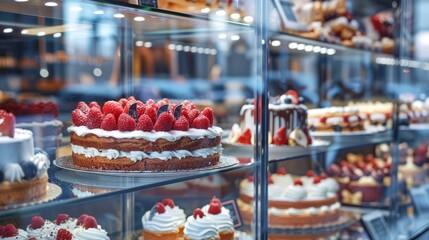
(160, 222)
(46, 232)
(42, 163)
(55, 123)
(282, 180)
(178, 215)
(13, 172)
(172, 136)
(330, 185)
(22, 235)
(70, 224)
(200, 228)
(139, 155)
(247, 188)
(295, 193)
(274, 191)
(311, 210)
(223, 210)
(81, 233)
(222, 221)
(316, 191)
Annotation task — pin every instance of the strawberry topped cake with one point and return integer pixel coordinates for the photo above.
(135, 136)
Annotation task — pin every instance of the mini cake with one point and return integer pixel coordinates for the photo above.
(335, 119)
(374, 113)
(200, 227)
(294, 205)
(221, 218)
(160, 223)
(287, 122)
(23, 171)
(133, 136)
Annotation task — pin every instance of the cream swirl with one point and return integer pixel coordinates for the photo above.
(282, 180)
(247, 188)
(22, 235)
(13, 172)
(315, 191)
(295, 193)
(223, 222)
(200, 228)
(81, 233)
(70, 224)
(42, 163)
(330, 185)
(159, 222)
(178, 214)
(274, 191)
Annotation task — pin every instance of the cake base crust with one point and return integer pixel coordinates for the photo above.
(148, 235)
(24, 191)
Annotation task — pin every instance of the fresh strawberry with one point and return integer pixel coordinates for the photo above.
(9, 231)
(201, 122)
(150, 102)
(317, 180)
(151, 112)
(194, 113)
(250, 178)
(168, 202)
(198, 213)
(297, 182)
(181, 124)
(164, 122)
(94, 118)
(81, 219)
(113, 107)
(184, 112)
(310, 173)
(83, 107)
(323, 119)
(7, 124)
(109, 123)
(131, 98)
(145, 123)
(215, 200)
(281, 138)
(94, 104)
(160, 208)
(208, 112)
(294, 94)
(64, 234)
(78, 118)
(89, 222)
(61, 218)
(246, 137)
(126, 123)
(37, 222)
(214, 208)
(123, 102)
(281, 171)
(345, 118)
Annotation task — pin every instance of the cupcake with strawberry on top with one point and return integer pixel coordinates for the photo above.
(86, 229)
(222, 219)
(10, 232)
(160, 223)
(200, 227)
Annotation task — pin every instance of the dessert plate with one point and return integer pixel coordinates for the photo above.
(53, 192)
(373, 134)
(66, 162)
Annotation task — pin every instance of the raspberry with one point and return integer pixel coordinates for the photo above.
(9, 231)
(78, 117)
(201, 122)
(1, 230)
(50, 108)
(131, 98)
(123, 102)
(61, 218)
(280, 138)
(187, 104)
(168, 202)
(310, 173)
(184, 112)
(128, 105)
(162, 102)
(164, 122)
(113, 107)
(83, 107)
(317, 180)
(160, 208)
(94, 118)
(94, 104)
(37, 222)
(216, 200)
(81, 219)
(64, 234)
(194, 113)
(214, 208)
(144, 123)
(150, 102)
(126, 123)
(181, 124)
(281, 171)
(298, 182)
(89, 222)
(323, 119)
(151, 112)
(141, 108)
(246, 137)
(109, 123)
(199, 213)
(208, 112)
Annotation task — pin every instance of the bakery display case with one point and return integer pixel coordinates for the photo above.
(212, 120)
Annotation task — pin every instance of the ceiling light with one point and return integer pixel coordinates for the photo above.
(57, 35)
(293, 45)
(316, 49)
(139, 19)
(51, 4)
(98, 12)
(235, 16)
(171, 46)
(97, 72)
(118, 15)
(44, 73)
(276, 43)
(331, 51)
(8, 30)
(308, 48)
(300, 46)
(248, 19)
(235, 37)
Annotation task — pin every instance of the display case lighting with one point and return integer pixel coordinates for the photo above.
(308, 48)
(248, 19)
(293, 45)
(98, 12)
(8, 30)
(21, 0)
(220, 12)
(193, 49)
(207, 50)
(222, 36)
(300, 46)
(97, 72)
(41, 34)
(51, 4)
(44, 73)
(148, 44)
(213, 51)
(25, 31)
(275, 43)
(235, 37)
(171, 46)
(331, 51)
(118, 15)
(186, 48)
(205, 10)
(76, 9)
(316, 49)
(235, 16)
(323, 50)
(139, 43)
(139, 19)
(179, 47)
(200, 50)
(57, 35)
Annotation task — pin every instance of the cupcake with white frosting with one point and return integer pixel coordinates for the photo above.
(89, 230)
(200, 227)
(158, 223)
(178, 214)
(222, 219)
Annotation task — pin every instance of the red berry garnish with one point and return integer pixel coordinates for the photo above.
(123, 102)
(168, 202)
(151, 112)
(9, 231)
(160, 208)
(199, 213)
(281, 171)
(323, 119)
(310, 173)
(113, 107)
(94, 104)
(323, 176)
(181, 124)
(246, 137)
(317, 180)
(94, 118)
(126, 123)
(297, 182)
(7, 125)
(81, 219)
(270, 179)
(89, 222)
(32, 238)
(164, 123)
(109, 123)
(61, 218)
(1, 230)
(185, 112)
(37, 222)
(145, 123)
(280, 138)
(83, 107)
(194, 113)
(215, 200)
(78, 118)
(208, 112)
(214, 208)
(201, 122)
(294, 94)
(64, 234)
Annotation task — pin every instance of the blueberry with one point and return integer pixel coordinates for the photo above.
(338, 128)
(313, 128)
(288, 100)
(1, 176)
(29, 169)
